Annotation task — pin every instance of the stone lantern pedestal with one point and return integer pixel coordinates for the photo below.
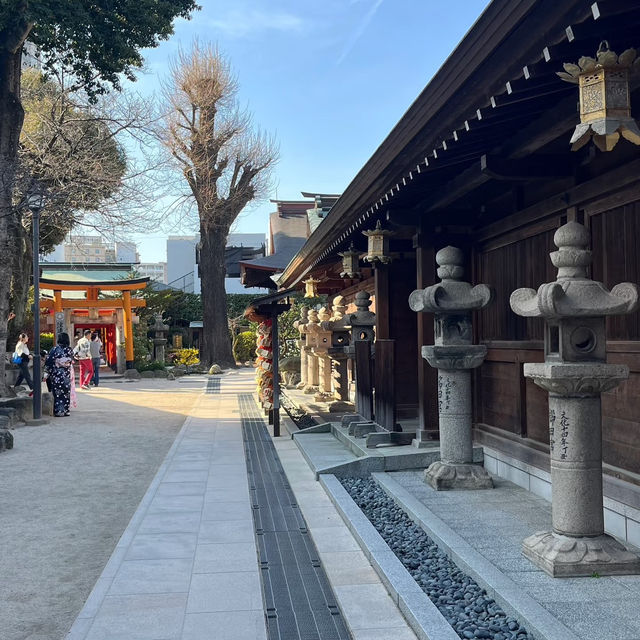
(301, 326)
(310, 335)
(452, 302)
(337, 352)
(575, 374)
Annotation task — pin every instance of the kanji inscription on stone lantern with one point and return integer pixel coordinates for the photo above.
(575, 373)
(605, 106)
(454, 355)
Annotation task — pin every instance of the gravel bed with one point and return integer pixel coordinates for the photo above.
(301, 419)
(465, 605)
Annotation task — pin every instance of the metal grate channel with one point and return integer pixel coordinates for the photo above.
(299, 602)
(213, 385)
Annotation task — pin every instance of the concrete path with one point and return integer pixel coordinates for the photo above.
(186, 566)
(67, 492)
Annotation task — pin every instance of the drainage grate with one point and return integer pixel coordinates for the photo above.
(299, 602)
(213, 385)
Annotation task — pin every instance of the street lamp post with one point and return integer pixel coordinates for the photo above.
(35, 203)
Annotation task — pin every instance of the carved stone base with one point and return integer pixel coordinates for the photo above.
(309, 389)
(563, 556)
(322, 397)
(442, 476)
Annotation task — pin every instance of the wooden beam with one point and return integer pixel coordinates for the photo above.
(90, 304)
(526, 169)
(613, 180)
(467, 181)
(56, 285)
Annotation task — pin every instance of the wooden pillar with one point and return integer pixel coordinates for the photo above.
(385, 384)
(128, 328)
(427, 376)
(364, 386)
(382, 300)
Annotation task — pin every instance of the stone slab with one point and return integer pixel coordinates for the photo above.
(499, 584)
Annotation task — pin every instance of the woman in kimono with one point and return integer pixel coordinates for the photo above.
(58, 365)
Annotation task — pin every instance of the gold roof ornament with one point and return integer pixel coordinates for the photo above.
(350, 263)
(378, 244)
(310, 287)
(605, 105)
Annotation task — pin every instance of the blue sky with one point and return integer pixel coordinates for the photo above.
(329, 78)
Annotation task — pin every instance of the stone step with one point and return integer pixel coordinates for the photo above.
(328, 448)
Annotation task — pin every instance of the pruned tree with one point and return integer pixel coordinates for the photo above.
(95, 42)
(226, 163)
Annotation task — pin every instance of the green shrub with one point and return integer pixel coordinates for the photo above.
(186, 357)
(149, 365)
(244, 346)
(46, 341)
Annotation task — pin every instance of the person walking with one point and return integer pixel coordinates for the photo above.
(83, 353)
(96, 345)
(21, 357)
(58, 365)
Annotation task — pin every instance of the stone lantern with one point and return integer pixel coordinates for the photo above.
(378, 244)
(312, 360)
(575, 374)
(322, 342)
(160, 332)
(301, 326)
(605, 106)
(362, 333)
(337, 325)
(311, 287)
(454, 355)
(350, 263)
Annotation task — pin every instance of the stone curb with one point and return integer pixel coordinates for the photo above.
(508, 594)
(422, 615)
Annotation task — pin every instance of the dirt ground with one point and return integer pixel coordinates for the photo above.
(68, 491)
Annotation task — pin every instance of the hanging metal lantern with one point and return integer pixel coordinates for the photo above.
(605, 105)
(311, 287)
(378, 244)
(350, 263)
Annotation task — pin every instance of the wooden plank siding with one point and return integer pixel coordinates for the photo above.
(504, 398)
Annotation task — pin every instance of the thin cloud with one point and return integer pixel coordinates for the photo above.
(360, 29)
(241, 24)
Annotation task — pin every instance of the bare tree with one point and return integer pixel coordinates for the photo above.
(226, 163)
(72, 149)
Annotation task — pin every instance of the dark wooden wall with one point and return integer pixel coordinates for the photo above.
(504, 398)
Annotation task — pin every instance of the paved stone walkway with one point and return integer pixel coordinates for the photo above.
(186, 566)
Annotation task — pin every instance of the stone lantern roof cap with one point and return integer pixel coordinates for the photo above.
(452, 295)
(574, 294)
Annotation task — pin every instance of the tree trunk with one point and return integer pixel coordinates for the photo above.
(21, 279)
(215, 346)
(11, 119)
